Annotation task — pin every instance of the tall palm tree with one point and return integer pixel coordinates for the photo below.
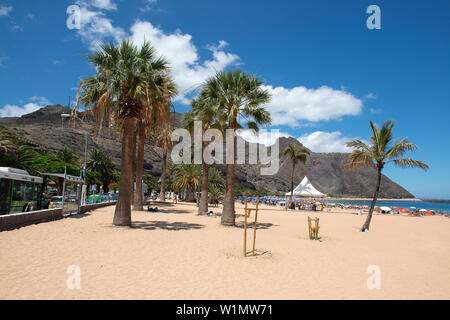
(164, 141)
(296, 155)
(100, 161)
(203, 112)
(120, 81)
(157, 101)
(235, 94)
(380, 152)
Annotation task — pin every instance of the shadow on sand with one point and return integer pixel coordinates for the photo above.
(171, 226)
(259, 226)
(78, 216)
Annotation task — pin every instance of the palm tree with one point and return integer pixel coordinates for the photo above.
(215, 178)
(215, 194)
(235, 94)
(163, 140)
(296, 155)
(203, 112)
(157, 101)
(380, 152)
(101, 162)
(186, 177)
(120, 82)
(68, 156)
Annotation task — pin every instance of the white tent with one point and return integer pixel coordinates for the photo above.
(306, 189)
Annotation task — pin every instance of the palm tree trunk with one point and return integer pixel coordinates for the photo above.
(366, 225)
(122, 214)
(292, 183)
(106, 187)
(203, 205)
(138, 195)
(133, 165)
(163, 177)
(189, 196)
(228, 215)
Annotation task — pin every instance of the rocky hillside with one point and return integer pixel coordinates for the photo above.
(45, 128)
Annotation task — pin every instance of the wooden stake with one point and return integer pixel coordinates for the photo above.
(317, 229)
(309, 228)
(256, 222)
(245, 228)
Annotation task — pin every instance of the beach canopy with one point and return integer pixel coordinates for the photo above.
(306, 189)
(387, 209)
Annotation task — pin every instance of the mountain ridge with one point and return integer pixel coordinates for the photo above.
(325, 170)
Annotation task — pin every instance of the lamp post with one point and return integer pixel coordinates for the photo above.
(67, 116)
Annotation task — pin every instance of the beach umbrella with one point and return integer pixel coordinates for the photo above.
(423, 210)
(398, 208)
(429, 213)
(387, 209)
(413, 208)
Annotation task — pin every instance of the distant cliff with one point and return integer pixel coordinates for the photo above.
(326, 172)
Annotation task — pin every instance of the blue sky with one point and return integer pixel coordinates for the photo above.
(328, 73)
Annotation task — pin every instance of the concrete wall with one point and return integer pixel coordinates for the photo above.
(18, 220)
(92, 207)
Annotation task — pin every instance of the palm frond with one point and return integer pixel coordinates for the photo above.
(411, 163)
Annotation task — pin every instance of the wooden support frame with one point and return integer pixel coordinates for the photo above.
(313, 230)
(247, 214)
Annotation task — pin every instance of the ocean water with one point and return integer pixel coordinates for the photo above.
(445, 206)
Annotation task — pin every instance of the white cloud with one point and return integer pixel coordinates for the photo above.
(100, 4)
(371, 96)
(298, 106)
(18, 111)
(5, 10)
(292, 106)
(376, 111)
(56, 62)
(95, 26)
(40, 100)
(326, 142)
(265, 137)
(148, 5)
(188, 70)
(16, 27)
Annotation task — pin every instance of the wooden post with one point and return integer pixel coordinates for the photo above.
(309, 228)
(317, 229)
(256, 222)
(245, 228)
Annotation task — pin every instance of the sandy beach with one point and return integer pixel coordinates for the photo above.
(184, 256)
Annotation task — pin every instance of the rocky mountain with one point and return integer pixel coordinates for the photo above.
(45, 128)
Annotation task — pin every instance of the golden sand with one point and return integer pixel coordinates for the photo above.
(184, 256)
